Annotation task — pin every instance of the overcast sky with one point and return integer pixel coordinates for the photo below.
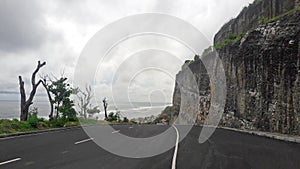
(56, 31)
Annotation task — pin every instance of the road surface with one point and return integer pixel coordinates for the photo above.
(73, 149)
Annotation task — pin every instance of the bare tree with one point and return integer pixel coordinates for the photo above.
(25, 104)
(84, 98)
(51, 102)
(105, 104)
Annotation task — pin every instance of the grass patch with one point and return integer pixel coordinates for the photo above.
(86, 121)
(13, 126)
(33, 124)
(232, 39)
(266, 20)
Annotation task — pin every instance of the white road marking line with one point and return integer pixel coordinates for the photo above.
(10, 161)
(64, 152)
(117, 131)
(131, 127)
(176, 148)
(82, 141)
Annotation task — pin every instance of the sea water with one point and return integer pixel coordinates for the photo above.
(11, 109)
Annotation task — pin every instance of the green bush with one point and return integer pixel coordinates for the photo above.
(113, 117)
(42, 125)
(60, 122)
(33, 119)
(125, 120)
(12, 126)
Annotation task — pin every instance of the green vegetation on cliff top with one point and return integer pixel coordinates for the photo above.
(266, 20)
(232, 39)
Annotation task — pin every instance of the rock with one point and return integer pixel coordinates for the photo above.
(262, 75)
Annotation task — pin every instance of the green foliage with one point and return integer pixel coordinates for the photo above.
(231, 36)
(207, 51)
(59, 122)
(230, 40)
(62, 92)
(188, 61)
(196, 58)
(86, 121)
(93, 110)
(234, 39)
(72, 123)
(33, 119)
(67, 110)
(263, 20)
(266, 20)
(113, 117)
(125, 120)
(132, 122)
(34, 123)
(14, 126)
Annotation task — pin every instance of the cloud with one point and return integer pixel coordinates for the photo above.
(56, 31)
(22, 25)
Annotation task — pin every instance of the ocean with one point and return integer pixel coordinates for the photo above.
(11, 109)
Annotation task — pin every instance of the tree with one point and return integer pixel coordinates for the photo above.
(51, 101)
(25, 104)
(105, 104)
(84, 98)
(93, 110)
(62, 93)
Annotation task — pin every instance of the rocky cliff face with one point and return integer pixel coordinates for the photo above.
(253, 15)
(193, 81)
(262, 70)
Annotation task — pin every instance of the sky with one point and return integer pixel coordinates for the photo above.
(57, 31)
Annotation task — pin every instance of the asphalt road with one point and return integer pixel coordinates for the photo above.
(73, 149)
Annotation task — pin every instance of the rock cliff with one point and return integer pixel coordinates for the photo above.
(260, 51)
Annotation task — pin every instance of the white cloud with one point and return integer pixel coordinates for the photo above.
(56, 31)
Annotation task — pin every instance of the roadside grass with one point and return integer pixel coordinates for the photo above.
(16, 126)
(34, 124)
(13, 126)
(87, 121)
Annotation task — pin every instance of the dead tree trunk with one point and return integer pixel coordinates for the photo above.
(49, 98)
(105, 104)
(84, 100)
(25, 104)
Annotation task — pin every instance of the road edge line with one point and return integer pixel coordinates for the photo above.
(29, 133)
(10, 161)
(176, 148)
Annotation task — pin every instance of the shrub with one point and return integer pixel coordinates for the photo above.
(125, 120)
(113, 116)
(33, 119)
(60, 122)
(42, 125)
